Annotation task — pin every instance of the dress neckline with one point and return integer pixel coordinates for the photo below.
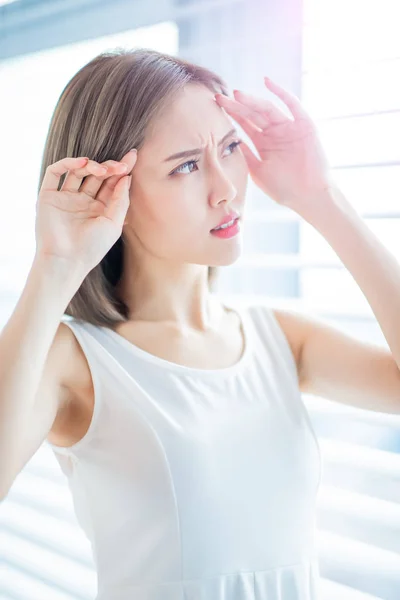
(166, 364)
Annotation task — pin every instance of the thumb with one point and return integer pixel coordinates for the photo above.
(251, 159)
(118, 207)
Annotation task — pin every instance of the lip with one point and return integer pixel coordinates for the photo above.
(227, 218)
(228, 232)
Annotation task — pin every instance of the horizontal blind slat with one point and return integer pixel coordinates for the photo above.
(272, 216)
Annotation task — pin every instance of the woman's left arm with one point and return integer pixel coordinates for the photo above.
(331, 363)
(293, 170)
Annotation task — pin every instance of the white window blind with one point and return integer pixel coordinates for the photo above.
(350, 84)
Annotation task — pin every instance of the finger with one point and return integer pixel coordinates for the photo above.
(54, 171)
(264, 107)
(118, 207)
(73, 179)
(237, 108)
(291, 101)
(106, 190)
(247, 126)
(92, 185)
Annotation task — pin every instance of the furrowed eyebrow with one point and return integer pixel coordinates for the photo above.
(186, 153)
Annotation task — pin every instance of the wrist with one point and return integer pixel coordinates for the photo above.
(57, 270)
(331, 203)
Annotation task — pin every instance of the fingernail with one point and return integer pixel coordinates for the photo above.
(133, 150)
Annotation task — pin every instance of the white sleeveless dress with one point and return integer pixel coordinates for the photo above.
(196, 484)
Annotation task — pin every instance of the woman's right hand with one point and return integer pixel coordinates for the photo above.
(81, 222)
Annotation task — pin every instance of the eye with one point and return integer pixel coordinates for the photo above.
(189, 162)
(233, 145)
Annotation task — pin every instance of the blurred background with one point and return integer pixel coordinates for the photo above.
(342, 58)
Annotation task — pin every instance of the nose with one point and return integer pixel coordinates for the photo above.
(221, 187)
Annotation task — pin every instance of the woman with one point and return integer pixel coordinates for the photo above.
(191, 458)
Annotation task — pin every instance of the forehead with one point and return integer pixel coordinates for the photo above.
(190, 120)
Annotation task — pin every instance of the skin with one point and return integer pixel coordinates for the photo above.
(167, 227)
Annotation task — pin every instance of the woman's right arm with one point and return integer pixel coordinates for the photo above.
(33, 365)
(75, 228)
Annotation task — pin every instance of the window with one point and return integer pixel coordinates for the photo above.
(350, 85)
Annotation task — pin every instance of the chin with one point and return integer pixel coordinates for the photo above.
(226, 258)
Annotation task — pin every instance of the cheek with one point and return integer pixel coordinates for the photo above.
(242, 166)
(157, 214)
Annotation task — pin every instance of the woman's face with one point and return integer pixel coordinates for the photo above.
(176, 202)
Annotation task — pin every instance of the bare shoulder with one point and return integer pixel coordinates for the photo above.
(74, 371)
(76, 388)
(293, 327)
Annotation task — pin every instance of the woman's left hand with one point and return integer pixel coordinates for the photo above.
(292, 169)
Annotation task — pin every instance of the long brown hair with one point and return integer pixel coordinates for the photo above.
(103, 112)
